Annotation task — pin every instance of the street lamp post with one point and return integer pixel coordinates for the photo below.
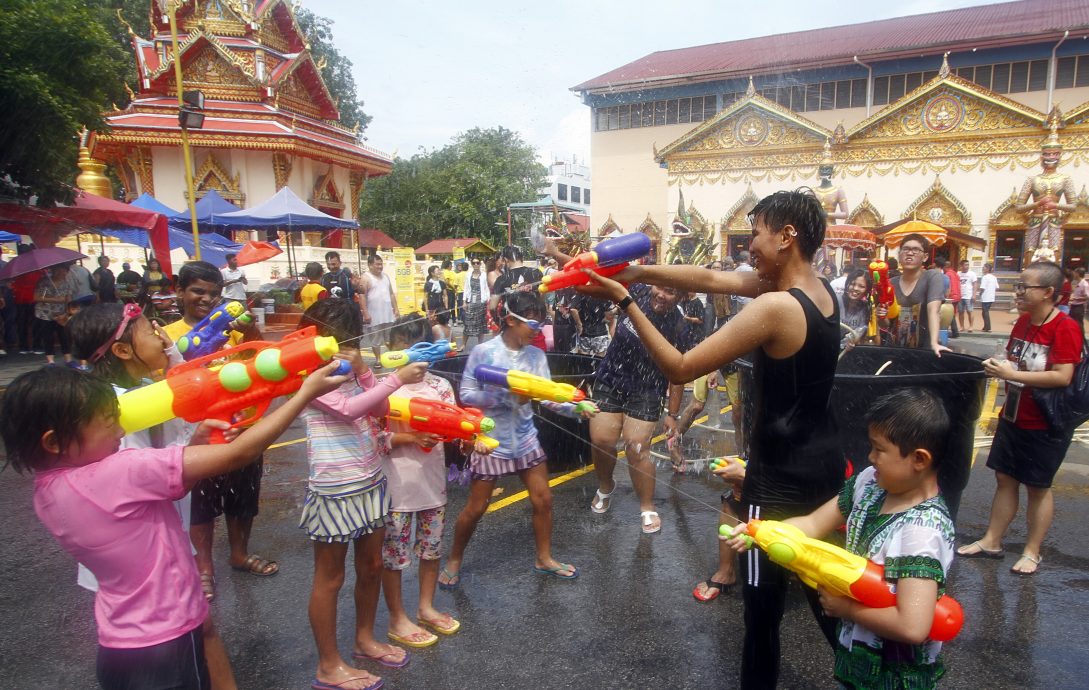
(187, 116)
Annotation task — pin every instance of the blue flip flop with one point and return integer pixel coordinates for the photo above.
(555, 572)
(454, 580)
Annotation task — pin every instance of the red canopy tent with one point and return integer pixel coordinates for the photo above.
(47, 225)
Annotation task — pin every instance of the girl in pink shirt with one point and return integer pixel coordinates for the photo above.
(113, 512)
(347, 500)
(415, 467)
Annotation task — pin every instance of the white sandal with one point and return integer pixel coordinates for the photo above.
(646, 515)
(598, 505)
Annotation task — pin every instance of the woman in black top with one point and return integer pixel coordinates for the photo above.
(792, 329)
(435, 288)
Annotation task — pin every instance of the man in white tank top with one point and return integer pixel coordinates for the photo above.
(378, 302)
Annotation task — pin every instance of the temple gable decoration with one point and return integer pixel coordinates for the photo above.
(609, 228)
(865, 215)
(651, 229)
(736, 220)
(212, 175)
(753, 123)
(326, 194)
(938, 205)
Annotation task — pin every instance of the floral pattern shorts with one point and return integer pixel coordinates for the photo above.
(429, 525)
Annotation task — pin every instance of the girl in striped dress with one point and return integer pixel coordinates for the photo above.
(346, 500)
(519, 451)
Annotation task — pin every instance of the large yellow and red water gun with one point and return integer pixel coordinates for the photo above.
(841, 572)
(528, 385)
(207, 388)
(608, 258)
(882, 295)
(443, 419)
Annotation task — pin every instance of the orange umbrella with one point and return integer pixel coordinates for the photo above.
(256, 251)
(935, 234)
(849, 237)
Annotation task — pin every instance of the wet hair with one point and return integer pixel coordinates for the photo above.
(799, 209)
(412, 328)
(911, 419)
(313, 270)
(853, 275)
(332, 255)
(1049, 275)
(228, 257)
(372, 258)
(339, 318)
(523, 303)
(511, 253)
(92, 327)
(193, 271)
(916, 237)
(54, 398)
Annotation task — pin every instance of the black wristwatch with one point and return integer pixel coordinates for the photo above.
(624, 303)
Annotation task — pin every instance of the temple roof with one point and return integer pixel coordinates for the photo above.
(1027, 21)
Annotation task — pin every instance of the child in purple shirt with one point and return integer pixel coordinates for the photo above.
(113, 512)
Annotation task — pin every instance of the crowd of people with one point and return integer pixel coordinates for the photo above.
(374, 485)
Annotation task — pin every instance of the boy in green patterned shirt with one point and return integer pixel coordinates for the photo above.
(896, 517)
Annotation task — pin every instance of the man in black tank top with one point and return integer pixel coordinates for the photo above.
(795, 463)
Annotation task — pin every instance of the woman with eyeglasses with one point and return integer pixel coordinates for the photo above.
(1043, 349)
(920, 293)
(519, 450)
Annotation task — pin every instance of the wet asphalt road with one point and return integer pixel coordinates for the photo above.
(629, 621)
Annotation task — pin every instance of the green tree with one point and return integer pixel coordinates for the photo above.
(61, 68)
(338, 68)
(460, 190)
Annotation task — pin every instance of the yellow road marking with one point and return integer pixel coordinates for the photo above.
(286, 443)
(522, 495)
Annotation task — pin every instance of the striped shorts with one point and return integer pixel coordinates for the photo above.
(342, 519)
(490, 467)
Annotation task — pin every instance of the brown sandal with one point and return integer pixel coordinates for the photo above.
(255, 565)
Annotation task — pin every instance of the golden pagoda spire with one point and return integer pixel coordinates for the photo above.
(92, 178)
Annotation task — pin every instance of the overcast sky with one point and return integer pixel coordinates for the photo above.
(428, 70)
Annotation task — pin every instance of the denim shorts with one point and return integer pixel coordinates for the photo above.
(644, 404)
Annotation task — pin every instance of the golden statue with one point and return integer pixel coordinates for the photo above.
(832, 197)
(1044, 233)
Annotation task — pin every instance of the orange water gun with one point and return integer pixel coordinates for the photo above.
(841, 572)
(882, 295)
(208, 388)
(443, 419)
(608, 258)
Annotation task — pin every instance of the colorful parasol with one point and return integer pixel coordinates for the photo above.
(849, 237)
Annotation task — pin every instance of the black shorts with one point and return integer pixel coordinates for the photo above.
(1031, 456)
(235, 493)
(644, 404)
(177, 663)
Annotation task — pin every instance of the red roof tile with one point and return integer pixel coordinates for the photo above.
(1008, 22)
(373, 237)
(445, 246)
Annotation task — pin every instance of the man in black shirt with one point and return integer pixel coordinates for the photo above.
(102, 281)
(339, 280)
(514, 276)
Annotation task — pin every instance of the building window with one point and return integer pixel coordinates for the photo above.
(576, 195)
(561, 192)
(586, 196)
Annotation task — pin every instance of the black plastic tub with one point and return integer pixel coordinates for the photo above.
(958, 380)
(566, 441)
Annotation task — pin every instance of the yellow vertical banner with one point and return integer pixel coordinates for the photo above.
(403, 259)
(459, 254)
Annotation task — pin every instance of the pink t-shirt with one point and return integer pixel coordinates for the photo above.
(116, 517)
(417, 479)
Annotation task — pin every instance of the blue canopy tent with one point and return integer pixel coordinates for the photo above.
(285, 212)
(209, 209)
(12, 237)
(213, 248)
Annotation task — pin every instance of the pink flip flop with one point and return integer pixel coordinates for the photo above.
(381, 658)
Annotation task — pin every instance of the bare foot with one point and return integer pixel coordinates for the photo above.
(347, 677)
